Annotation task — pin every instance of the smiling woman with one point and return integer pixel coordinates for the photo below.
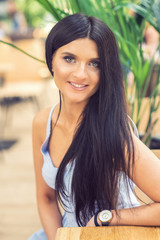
(85, 152)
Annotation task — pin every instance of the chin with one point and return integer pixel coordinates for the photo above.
(78, 101)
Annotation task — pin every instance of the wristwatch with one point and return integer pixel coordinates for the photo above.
(104, 216)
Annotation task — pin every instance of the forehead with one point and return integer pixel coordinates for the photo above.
(82, 46)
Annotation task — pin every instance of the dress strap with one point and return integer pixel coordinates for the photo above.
(134, 127)
(48, 130)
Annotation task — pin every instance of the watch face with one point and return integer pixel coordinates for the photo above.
(105, 216)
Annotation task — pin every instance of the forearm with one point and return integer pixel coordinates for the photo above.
(50, 217)
(146, 215)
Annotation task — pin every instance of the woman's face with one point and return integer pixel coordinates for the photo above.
(76, 70)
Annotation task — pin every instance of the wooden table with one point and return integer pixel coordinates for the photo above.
(109, 233)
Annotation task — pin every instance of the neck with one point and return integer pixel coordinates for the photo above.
(70, 113)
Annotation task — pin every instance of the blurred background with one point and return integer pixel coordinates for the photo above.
(26, 87)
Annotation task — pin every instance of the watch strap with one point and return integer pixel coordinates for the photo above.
(95, 219)
(105, 224)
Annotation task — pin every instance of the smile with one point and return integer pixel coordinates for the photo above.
(78, 86)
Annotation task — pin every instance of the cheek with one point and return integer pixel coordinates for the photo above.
(61, 72)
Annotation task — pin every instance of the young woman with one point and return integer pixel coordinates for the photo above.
(85, 152)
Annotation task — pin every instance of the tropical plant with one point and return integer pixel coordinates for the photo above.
(120, 17)
(32, 11)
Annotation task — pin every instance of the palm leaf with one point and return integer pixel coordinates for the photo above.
(50, 8)
(29, 55)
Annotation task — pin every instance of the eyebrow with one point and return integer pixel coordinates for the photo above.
(73, 55)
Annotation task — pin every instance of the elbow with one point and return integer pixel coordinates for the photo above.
(156, 197)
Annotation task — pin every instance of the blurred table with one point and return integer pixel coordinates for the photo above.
(109, 233)
(22, 89)
(13, 93)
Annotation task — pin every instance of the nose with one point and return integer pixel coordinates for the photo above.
(80, 71)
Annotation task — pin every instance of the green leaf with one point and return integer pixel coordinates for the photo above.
(50, 8)
(29, 55)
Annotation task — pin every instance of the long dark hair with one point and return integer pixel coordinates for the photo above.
(102, 143)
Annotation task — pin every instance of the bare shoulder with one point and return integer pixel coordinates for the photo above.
(41, 117)
(40, 123)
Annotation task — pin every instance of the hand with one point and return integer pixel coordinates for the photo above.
(91, 222)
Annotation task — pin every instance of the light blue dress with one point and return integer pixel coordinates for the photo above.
(49, 172)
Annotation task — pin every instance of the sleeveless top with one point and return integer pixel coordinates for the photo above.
(126, 197)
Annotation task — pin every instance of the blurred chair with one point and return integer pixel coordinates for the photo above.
(24, 81)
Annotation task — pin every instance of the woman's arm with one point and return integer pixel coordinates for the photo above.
(46, 199)
(146, 175)
(146, 215)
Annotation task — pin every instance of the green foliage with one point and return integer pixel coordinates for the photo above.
(34, 13)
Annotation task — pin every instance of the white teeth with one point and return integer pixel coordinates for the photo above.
(76, 85)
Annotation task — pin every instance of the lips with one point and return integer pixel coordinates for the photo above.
(78, 86)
